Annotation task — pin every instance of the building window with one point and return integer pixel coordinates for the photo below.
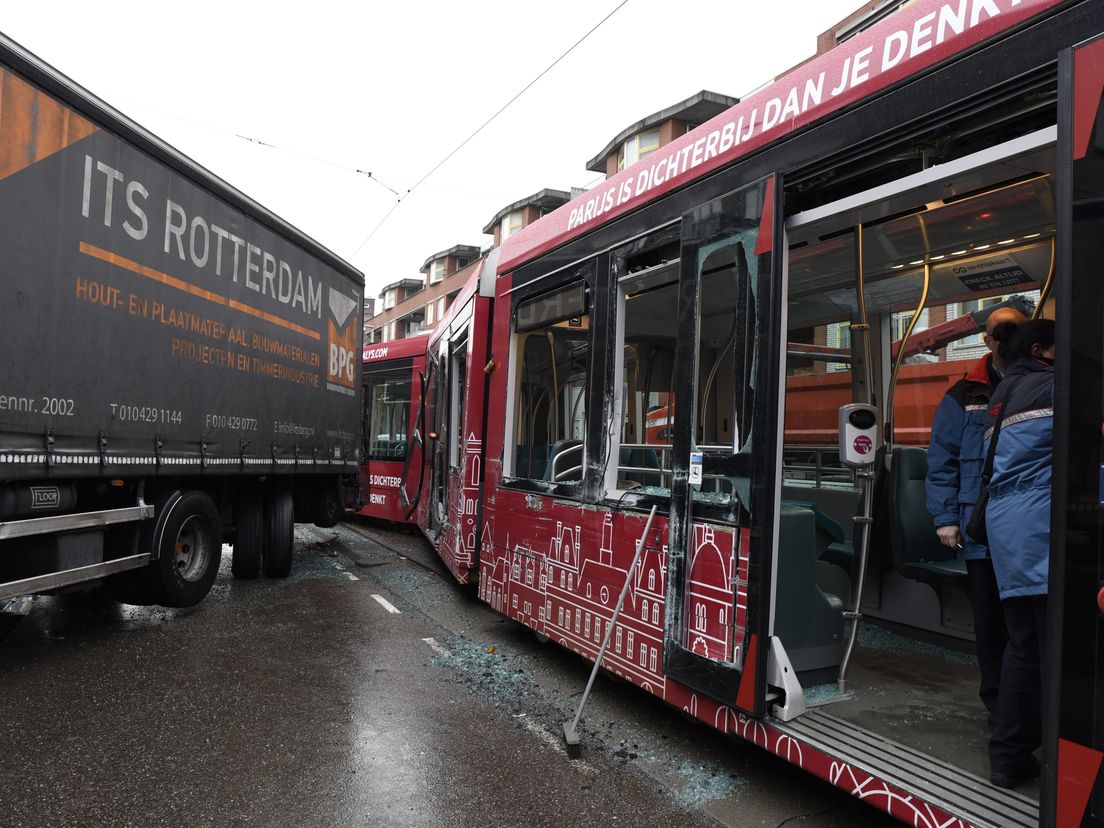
(643, 654)
(619, 631)
(655, 614)
(644, 612)
(559, 616)
(441, 308)
(639, 146)
(389, 298)
(652, 660)
(629, 643)
(587, 627)
(651, 580)
(429, 309)
(515, 601)
(437, 271)
(511, 224)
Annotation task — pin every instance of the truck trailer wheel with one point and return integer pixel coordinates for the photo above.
(327, 509)
(279, 534)
(187, 539)
(249, 543)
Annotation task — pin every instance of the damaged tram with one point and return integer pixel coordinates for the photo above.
(685, 337)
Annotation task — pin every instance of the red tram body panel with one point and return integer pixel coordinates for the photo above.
(525, 485)
(450, 510)
(391, 374)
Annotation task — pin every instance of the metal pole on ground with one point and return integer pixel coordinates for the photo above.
(571, 735)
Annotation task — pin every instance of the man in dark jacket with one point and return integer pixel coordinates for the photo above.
(955, 460)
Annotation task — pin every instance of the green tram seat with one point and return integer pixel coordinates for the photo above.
(808, 620)
(565, 462)
(531, 461)
(640, 458)
(917, 552)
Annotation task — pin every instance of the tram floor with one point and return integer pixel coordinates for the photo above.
(918, 694)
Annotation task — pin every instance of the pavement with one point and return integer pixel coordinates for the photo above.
(367, 690)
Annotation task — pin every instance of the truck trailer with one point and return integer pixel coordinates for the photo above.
(180, 367)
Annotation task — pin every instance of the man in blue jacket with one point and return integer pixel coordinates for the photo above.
(955, 459)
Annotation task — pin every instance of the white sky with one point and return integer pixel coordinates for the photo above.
(392, 88)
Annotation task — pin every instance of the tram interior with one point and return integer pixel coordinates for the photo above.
(987, 235)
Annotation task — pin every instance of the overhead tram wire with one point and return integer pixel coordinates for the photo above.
(488, 122)
(261, 143)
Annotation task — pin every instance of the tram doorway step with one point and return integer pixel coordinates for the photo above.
(916, 774)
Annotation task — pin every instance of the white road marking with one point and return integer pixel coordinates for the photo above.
(387, 605)
(554, 742)
(343, 570)
(437, 648)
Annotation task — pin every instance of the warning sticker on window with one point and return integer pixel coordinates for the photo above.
(989, 274)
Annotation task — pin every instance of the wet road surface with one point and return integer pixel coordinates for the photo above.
(366, 689)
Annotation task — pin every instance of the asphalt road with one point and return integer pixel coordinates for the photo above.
(366, 689)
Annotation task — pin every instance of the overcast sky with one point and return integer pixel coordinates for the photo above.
(393, 88)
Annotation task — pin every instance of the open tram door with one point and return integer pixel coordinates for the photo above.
(722, 520)
(450, 357)
(1073, 788)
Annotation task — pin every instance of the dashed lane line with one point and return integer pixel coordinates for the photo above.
(387, 605)
(556, 744)
(337, 565)
(437, 648)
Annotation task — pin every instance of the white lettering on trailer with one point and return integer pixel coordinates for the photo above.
(136, 188)
(261, 270)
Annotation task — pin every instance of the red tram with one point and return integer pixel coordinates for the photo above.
(682, 337)
(391, 391)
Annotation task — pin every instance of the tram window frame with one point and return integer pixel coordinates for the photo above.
(574, 291)
(647, 264)
(390, 375)
(458, 379)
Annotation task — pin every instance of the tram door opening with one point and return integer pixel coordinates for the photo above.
(436, 437)
(719, 540)
(890, 292)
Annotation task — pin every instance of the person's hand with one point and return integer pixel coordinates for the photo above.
(949, 536)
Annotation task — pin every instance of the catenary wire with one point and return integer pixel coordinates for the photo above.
(259, 142)
(487, 123)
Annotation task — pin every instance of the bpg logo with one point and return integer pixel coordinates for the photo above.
(344, 327)
(341, 363)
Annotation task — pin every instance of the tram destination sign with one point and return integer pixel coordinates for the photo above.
(919, 36)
